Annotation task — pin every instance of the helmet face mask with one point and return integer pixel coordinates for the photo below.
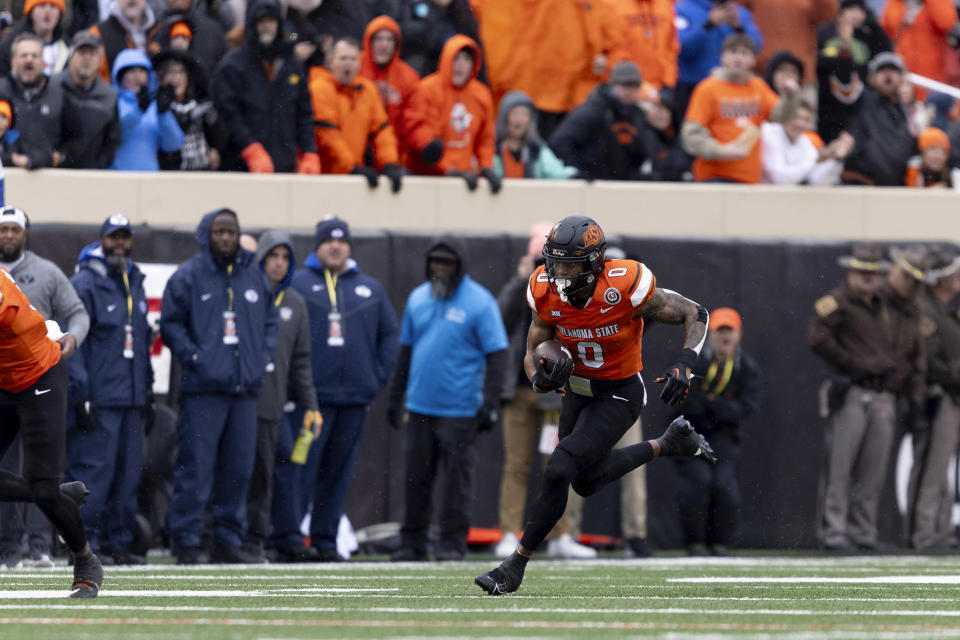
(574, 240)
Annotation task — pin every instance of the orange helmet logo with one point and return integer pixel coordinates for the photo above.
(593, 235)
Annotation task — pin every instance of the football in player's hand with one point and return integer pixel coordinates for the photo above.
(552, 352)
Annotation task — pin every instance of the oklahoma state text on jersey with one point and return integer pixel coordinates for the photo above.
(25, 351)
(603, 337)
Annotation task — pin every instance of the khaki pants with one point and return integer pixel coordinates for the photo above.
(931, 492)
(859, 436)
(523, 418)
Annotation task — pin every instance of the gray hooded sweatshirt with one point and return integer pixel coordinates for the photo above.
(291, 358)
(51, 293)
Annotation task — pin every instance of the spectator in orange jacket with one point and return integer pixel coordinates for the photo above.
(791, 25)
(919, 34)
(348, 114)
(451, 120)
(395, 80)
(649, 38)
(931, 169)
(555, 51)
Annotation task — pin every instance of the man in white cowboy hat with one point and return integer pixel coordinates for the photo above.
(931, 493)
(867, 333)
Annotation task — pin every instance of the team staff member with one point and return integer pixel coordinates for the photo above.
(111, 381)
(596, 308)
(726, 391)
(33, 388)
(51, 294)
(450, 371)
(220, 322)
(291, 375)
(353, 338)
(931, 490)
(868, 334)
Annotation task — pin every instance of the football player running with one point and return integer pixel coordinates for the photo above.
(596, 308)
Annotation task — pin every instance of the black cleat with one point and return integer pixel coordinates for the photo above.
(76, 491)
(504, 579)
(87, 576)
(681, 440)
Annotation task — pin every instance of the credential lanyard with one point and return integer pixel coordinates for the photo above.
(331, 279)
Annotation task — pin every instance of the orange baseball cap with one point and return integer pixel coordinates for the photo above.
(181, 29)
(933, 137)
(725, 317)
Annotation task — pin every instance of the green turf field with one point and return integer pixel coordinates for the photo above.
(796, 597)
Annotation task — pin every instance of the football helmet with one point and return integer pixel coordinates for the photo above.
(575, 239)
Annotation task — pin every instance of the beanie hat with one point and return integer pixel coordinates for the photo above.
(181, 29)
(625, 72)
(6, 110)
(30, 4)
(332, 227)
(933, 137)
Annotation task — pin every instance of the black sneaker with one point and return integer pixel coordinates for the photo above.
(639, 548)
(504, 579)
(76, 491)
(329, 555)
(190, 555)
(681, 440)
(409, 554)
(296, 553)
(127, 558)
(234, 555)
(87, 576)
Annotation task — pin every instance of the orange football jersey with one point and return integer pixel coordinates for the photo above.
(603, 337)
(26, 353)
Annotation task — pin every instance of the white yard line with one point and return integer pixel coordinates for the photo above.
(108, 593)
(932, 579)
(508, 610)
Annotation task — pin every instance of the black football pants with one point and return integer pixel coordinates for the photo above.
(41, 416)
(585, 456)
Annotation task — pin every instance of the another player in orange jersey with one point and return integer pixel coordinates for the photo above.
(596, 309)
(33, 377)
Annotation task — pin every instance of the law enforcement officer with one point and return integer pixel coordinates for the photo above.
(867, 333)
(931, 492)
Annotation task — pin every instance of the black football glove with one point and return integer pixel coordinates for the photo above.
(675, 383)
(85, 414)
(488, 416)
(468, 176)
(496, 182)
(544, 382)
(143, 98)
(432, 153)
(395, 173)
(373, 178)
(165, 96)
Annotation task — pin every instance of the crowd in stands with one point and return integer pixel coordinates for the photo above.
(780, 91)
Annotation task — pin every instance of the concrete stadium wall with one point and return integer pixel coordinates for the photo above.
(177, 199)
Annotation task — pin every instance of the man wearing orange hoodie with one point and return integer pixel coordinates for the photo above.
(918, 31)
(451, 120)
(395, 80)
(348, 115)
(649, 38)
